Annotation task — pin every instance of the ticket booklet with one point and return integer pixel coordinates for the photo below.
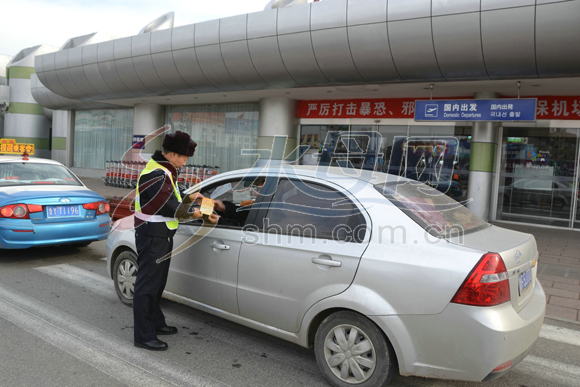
(206, 206)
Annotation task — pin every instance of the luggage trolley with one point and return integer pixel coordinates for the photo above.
(107, 178)
(118, 172)
(113, 173)
(128, 172)
(135, 172)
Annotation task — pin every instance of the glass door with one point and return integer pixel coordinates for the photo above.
(538, 176)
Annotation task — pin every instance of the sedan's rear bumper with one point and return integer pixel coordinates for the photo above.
(24, 234)
(464, 342)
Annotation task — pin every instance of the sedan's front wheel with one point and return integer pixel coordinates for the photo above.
(352, 351)
(124, 276)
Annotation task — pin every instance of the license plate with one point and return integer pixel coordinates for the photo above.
(525, 279)
(62, 211)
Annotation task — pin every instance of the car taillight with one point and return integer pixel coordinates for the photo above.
(32, 208)
(14, 211)
(486, 285)
(100, 207)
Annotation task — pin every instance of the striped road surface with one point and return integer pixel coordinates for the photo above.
(73, 322)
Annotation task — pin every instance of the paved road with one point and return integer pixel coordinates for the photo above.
(61, 324)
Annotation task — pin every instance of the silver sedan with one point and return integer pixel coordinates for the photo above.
(379, 274)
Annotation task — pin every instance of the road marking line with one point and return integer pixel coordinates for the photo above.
(563, 335)
(81, 277)
(108, 353)
(557, 373)
(104, 286)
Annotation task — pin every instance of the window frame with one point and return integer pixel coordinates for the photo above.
(215, 184)
(258, 221)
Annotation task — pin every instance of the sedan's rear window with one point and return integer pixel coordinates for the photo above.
(436, 212)
(25, 174)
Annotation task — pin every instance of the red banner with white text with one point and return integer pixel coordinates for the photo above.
(547, 108)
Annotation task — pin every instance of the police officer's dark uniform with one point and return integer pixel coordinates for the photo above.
(158, 200)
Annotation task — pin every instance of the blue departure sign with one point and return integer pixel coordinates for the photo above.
(501, 110)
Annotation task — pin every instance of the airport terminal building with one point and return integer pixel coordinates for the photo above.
(313, 73)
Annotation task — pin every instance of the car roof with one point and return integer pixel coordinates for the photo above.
(19, 159)
(335, 174)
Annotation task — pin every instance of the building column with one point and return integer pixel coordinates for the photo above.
(481, 163)
(63, 136)
(148, 117)
(278, 118)
(24, 121)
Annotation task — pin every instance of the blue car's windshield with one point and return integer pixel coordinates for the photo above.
(26, 174)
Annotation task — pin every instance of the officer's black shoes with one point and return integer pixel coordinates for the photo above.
(166, 331)
(153, 345)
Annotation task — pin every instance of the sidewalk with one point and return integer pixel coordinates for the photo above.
(558, 265)
(558, 269)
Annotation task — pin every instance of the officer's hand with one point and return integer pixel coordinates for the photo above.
(213, 218)
(196, 213)
(196, 197)
(245, 203)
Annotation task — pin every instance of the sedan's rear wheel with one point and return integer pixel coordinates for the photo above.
(352, 351)
(124, 276)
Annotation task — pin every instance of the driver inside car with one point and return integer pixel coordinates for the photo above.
(229, 211)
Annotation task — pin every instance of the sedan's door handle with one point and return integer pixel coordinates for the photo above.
(327, 262)
(219, 246)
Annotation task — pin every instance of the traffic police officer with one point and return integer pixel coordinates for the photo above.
(156, 203)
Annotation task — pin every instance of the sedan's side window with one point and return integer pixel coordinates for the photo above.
(235, 199)
(313, 211)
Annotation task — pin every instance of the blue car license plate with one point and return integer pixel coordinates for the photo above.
(525, 279)
(63, 211)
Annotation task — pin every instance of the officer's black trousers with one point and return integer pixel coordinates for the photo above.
(149, 285)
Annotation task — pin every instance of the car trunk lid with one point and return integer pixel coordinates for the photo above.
(519, 253)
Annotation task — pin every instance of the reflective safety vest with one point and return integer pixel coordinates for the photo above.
(171, 223)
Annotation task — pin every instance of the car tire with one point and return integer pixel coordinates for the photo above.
(376, 365)
(558, 203)
(124, 275)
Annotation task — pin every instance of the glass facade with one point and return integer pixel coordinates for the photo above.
(101, 135)
(437, 155)
(539, 176)
(220, 131)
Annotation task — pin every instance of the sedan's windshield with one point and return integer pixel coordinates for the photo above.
(437, 213)
(20, 174)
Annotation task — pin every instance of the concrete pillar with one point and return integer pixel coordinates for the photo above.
(278, 118)
(147, 118)
(4, 90)
(24, 121)
(63, 136)
(481, 163)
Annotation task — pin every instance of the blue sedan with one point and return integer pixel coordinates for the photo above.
(42, 203)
